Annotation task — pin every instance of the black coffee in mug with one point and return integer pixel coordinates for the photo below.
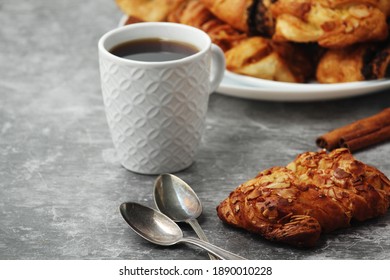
(153, 50)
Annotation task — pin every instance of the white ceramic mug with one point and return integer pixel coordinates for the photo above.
(156, 110)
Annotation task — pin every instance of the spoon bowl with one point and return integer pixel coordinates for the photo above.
(157, 228)
(176, 199)
(151, 225)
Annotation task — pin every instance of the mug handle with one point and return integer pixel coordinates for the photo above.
(218, 65)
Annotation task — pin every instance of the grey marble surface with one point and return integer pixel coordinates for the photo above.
(61, 183)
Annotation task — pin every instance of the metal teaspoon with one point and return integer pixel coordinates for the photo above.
(157, 228)
(176, 199)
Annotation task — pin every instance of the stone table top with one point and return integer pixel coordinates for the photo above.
(61, 183)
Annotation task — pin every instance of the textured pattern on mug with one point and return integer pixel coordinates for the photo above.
(156, 116)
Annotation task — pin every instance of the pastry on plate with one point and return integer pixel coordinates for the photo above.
(356, 63)
(234, 12)
(317, 192)
(268, 39)
(263, 58)
(249, 16)
(330, 23)
(194, 13)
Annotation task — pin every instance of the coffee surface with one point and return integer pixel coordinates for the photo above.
(153, 50)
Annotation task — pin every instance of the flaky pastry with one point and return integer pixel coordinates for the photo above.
(194, 13)
(234, 12)
(331, 23)
(269, 39)
(317, 192)
(356, 63)
(262, 58)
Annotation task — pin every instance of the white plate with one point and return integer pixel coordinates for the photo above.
(254, 88)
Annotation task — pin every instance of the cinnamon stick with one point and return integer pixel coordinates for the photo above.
(363, 141)
(360, 134)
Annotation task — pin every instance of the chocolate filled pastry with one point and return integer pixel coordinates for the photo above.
(344, 65)
(317, 192)
(359, 62)
(262, 58)
(253, 56)
(250, 16)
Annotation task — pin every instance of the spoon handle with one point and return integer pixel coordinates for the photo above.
(200, 233)
(215, 250)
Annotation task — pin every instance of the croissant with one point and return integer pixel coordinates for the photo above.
(317, 192)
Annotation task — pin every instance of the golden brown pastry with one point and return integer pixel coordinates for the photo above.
(250, 16)
(331, 23)
(342, 65)
(233, 12)
(253, 56)
(356, 63)
(148, 10)
(317, 192)
(262, 58)
(194, 13)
